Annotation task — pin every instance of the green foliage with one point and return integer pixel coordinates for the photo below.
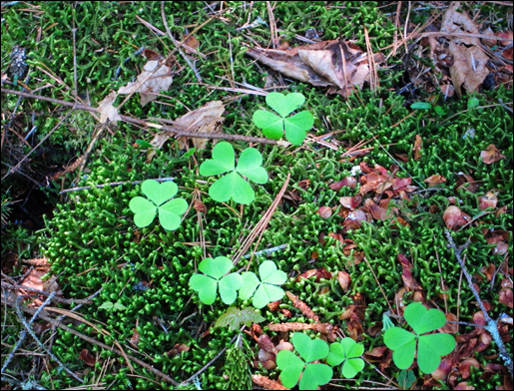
(110, 306)
(215, 278)
(266, 290)
(313, 375)
(263, 292)
(406, 379)
(430, 347)
(234, 316)
(232, 185)
(273, 126)
(237, 366)
(159, 194)
(347, 352)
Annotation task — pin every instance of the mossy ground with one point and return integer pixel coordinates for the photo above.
(91, 239)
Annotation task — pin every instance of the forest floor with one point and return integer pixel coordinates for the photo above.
(385, 179)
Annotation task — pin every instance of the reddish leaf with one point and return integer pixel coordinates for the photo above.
(376, 211)
(505, 297)
(464, 386)
(87, 357)
(441, 373)
(467, 182)
(354, 219)
(348, 181)
(408, 280)
(351, 202)
(491, 154)
(325, 212)
(466, 364)
(417, 147)
(450, 328)
(344, 280)
(488, 200)
(435, 180)
(454, 218)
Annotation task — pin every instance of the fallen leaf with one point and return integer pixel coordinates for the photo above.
(348, 181)
(107, 110)
(344, 280)
(435, 180)
(87, 357)
(417, 147)
(205, 119)
(376, 211)
(336, 64)
(491, 154)
(351, 202)
(150, 83)
(454, 218)
(488, 200)
(505, 297)
(469, 68)
(466, 364)
(325, 212)
(409, 282)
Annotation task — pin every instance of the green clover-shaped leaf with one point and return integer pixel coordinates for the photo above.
(406, 379)
(266, 290)
(207, 285)
(273, 126)
(145, 209)
(232, 185)
(347, 352)
(430, 347)
(291, 366)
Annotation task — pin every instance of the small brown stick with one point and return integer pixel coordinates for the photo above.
(53, 322)
(171, 129)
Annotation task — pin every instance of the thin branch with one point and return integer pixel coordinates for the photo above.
(492, 325)
(176, 129)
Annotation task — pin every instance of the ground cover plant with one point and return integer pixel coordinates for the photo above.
(347, 224)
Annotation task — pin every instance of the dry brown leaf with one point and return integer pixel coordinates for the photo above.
(488, 200)
(205, 119)
(469, 68)
(267, 383)
(454, 217)
(149, 83)
(336, 64)
(491, 154)
(435, 179)
(417, 147)
(87, 357)
(107, 110)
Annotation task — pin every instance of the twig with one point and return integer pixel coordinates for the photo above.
(175, 42)
(210, 362)
(492, 325)
(171, 129)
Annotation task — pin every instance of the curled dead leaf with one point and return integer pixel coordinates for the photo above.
(150, 83)
(325, 212)
(468, 69)
(409, 282)
(336, 64)
(344, 280)
(491, 154)
(351, 202)
(348, 181)
(107, 110)
(435, 180)
(454, 217)
(505, 297)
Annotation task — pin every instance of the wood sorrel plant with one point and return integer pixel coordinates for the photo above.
(232, 185)
(430, 347)
(145, 209)
(274, 126)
